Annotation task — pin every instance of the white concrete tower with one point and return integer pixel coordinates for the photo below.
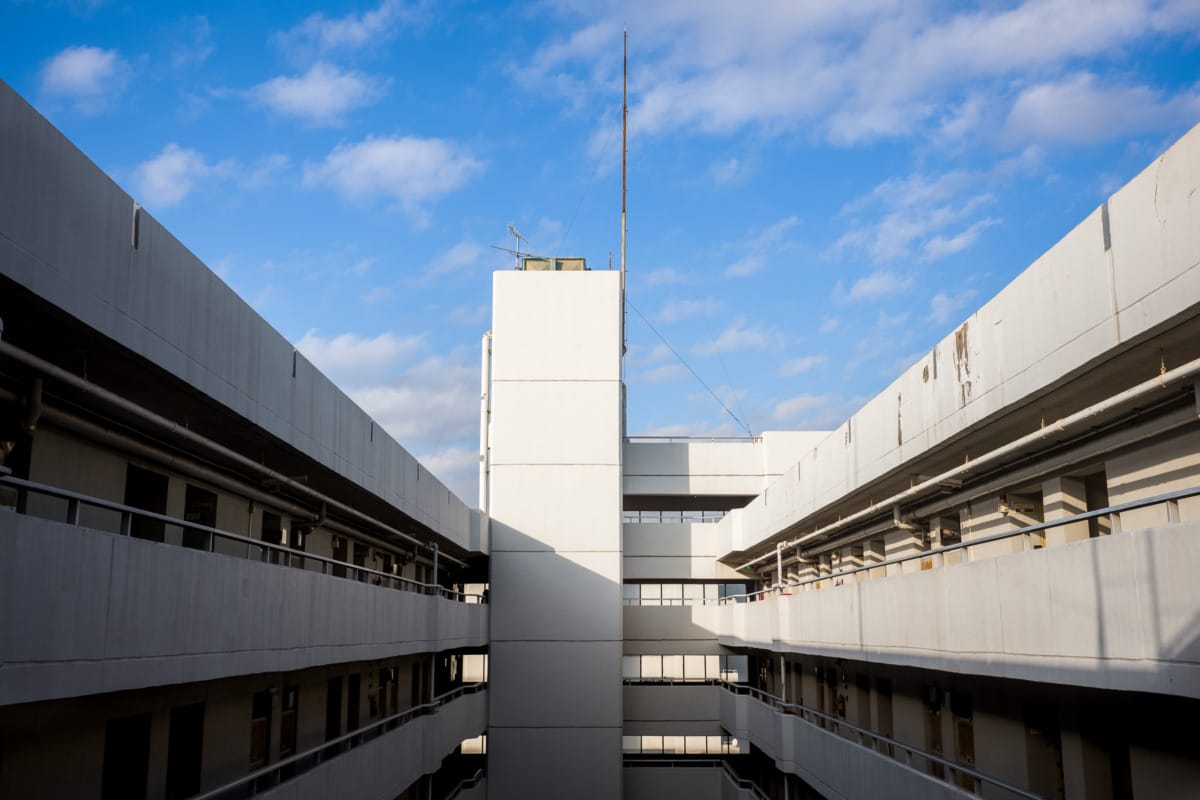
(555, 488)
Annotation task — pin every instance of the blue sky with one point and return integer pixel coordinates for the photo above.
(818, 191)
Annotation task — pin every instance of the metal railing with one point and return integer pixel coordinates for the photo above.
(1169, 499)
(952, 772)
(268, 552)
(744, 784)
(672, 517)
(469, 782)
(284, 770)
(637, 439)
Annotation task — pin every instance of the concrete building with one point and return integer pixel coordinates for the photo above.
(221, 578)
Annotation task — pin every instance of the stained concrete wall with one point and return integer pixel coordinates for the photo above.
(1130, 266)
(88, 611)
(1114, 612)
(66, 234)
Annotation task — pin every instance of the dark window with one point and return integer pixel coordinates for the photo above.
(289, 709)
(199, 506)
(185, 751)
(148, 491)
(333, 708)
(126, 758)
(272, 533)
(353, 699)
(260, 730)
(340, 550)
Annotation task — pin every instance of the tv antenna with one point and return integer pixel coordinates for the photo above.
(516, 234)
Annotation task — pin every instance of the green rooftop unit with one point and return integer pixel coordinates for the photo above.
(541, 264)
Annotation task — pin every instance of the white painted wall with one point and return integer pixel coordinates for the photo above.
(1115, 612)
(88, 611)
(555, 527)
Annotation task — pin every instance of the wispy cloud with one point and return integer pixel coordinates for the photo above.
(798, 366)
(169, 177)
(318, 34)
(943, 306)
(737, 337)
(321, 96)
(675, 310)
(353, 360)
(728, 172)
(798, 406)
(457, 258)
(751, 255)
(89, 78)
(407, 170)
(193, 44)
(1079, 109)
(663, 373)
(880, 283)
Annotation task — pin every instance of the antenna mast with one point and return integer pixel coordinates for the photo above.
(624, 126)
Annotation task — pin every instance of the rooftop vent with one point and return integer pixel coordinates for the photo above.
(539, 264)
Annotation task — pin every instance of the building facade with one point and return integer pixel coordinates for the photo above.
(221, 578)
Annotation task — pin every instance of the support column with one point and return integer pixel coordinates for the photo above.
(1064, 497)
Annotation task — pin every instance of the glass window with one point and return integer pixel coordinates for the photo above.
(672, 594)
(651, 668)
(631, 667)
(632, 592)
(651, 594)
(693, 594)
(672, 744)
(693, 668)
(712, 667)
(631, 744)
(672, 668)
(652, 744)
(711, 591)
(695, 744)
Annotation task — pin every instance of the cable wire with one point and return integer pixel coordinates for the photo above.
(695, 375)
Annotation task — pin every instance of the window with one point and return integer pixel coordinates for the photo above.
(184, 751)
(148, 491)
(199, 506)
(126, 757)
(260, 730)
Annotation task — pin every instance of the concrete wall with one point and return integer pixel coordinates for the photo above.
(674, 551)
(88, 611)
(836, 767)
(1130, 266)
(656, 783)
(1114, 612)
(555, 527)
(66, 235)
(670, 704)
(717, 467)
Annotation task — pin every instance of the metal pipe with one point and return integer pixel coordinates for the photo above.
(33, 406)
(175, 430)
(1134, 393)
(485, 420)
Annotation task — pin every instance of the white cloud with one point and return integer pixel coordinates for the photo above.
(663, 373)
(457, 467)
(752, 254)
(943, 306)
(432, 405)
(459, 257)
(90, 78)
(847, 72)
(318, 34)
(168, 178)
(735, 338)
(790, 409)
(730, 171)
(798, 366)
(350, 360)
(640, 355)
(321, 96)
(407, 170)
(264, 171)
(1080, 110)
(829, 324)
(940, 246)
(376, 294)
(195, 44)
(675, 310)
(871, 287)
(664, 275)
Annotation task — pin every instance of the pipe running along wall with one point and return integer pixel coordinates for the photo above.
(1141, 391)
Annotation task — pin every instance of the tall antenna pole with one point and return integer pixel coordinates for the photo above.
(624, 127)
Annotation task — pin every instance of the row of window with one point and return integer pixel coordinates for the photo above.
(731, 668)
(676, 517)
(680, 745)
(680, 594)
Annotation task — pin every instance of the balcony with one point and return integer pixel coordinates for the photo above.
(90, 611)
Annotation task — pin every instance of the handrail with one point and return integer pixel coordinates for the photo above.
(271, 772)
(743, 783)
(805, 712)
(1109, 511)
(362, 574)
(638, 439)
(469, 782)
(641, 760)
